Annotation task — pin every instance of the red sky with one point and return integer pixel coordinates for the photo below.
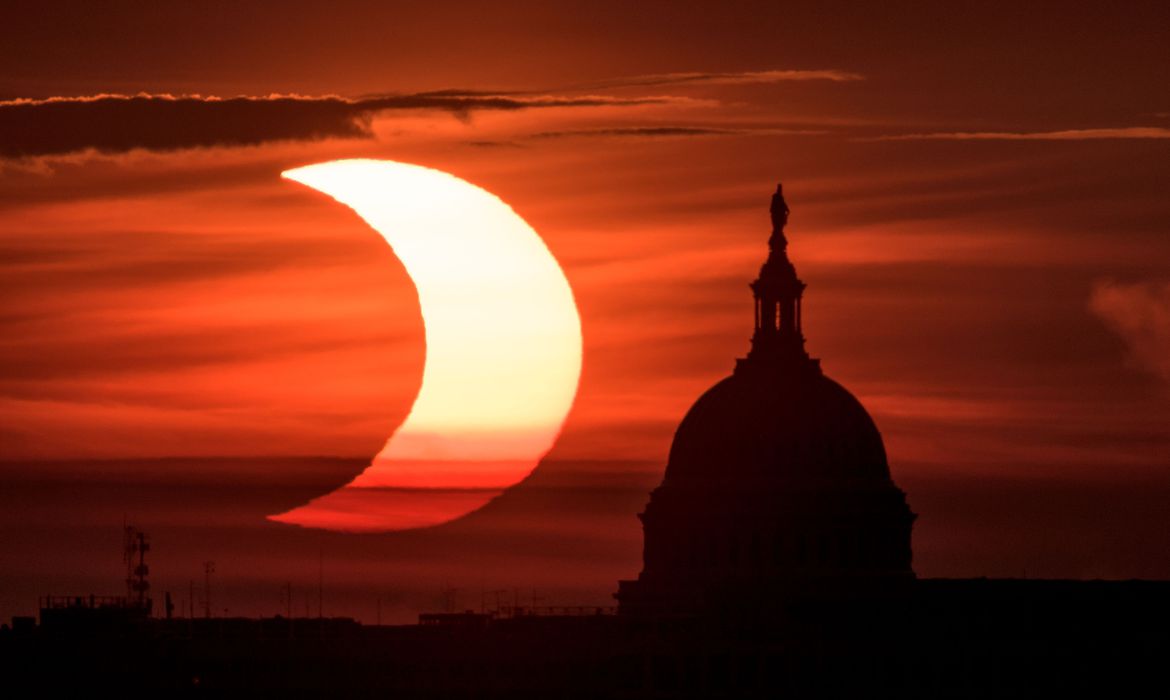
(978, 206)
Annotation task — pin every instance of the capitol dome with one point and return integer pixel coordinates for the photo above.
(799, 429)
(777, 484)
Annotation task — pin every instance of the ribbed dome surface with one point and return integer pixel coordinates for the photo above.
(799, 427)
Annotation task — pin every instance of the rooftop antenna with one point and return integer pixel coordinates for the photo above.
(191, 607)
(449, 600)
(497, 592)
(286, 595)
(208, 570)
(134, 548)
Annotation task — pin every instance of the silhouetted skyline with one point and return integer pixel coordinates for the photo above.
(777, 558)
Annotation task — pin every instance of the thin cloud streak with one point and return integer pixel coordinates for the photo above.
(681, 79)
(1127, 132)
(670, 131)
(721, 78)
(645, 132)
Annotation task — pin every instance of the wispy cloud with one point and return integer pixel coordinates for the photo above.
(1125, 132)
(117, 123)
(1140, 314)
(646, 132)
(720, 78)
(636, 131)
(668, 131)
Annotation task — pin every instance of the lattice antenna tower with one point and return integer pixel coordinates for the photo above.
(135, 545)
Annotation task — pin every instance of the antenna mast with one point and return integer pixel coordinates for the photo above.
(208, 570)
(134, 548)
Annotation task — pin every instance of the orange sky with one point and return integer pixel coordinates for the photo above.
(978, 206)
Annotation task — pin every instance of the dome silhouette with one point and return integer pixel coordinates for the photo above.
(801, 430)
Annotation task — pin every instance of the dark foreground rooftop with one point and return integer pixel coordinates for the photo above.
(937, 638)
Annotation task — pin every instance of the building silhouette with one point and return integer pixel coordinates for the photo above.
(777, 484)
(777, 561)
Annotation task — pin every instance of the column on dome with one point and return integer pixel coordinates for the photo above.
(778, 316)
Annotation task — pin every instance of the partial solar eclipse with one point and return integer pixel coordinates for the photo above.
(503, 348)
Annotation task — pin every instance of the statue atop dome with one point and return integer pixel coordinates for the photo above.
(778, 339)
(779, 210)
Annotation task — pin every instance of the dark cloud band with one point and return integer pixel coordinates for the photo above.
(120, 123)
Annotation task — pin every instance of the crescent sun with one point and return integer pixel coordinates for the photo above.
(503, 348)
